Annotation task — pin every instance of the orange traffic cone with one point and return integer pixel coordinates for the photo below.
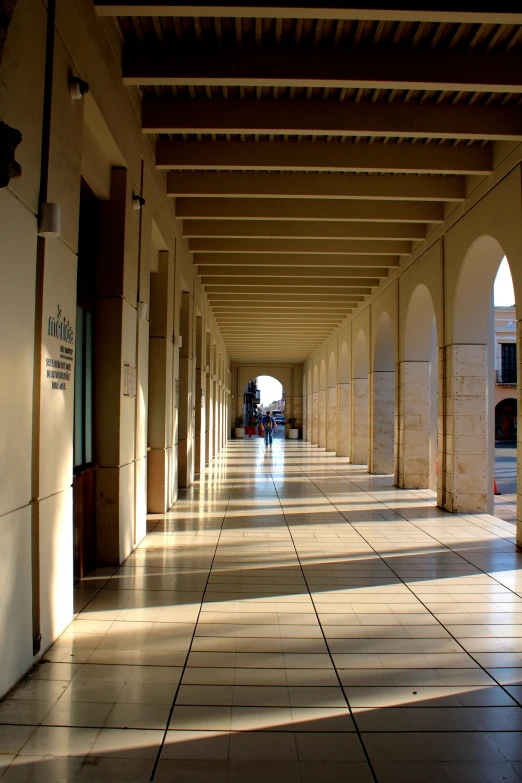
(495, 488)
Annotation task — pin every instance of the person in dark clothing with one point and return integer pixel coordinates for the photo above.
(270, 425)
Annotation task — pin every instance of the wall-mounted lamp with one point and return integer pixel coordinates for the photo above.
(77, 88)
(214, 377)
(178, 341)
(50, 220)
(142, 310)
(207, 369)
(138, 201)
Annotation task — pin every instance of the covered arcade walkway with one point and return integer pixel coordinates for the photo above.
(293, 618)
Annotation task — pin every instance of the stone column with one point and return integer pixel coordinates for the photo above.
(519, 435)
(115, 391)
(331, 420)
(161, 363)
(359, 406)
(412, 431)
(309, 417)
(209, 404)
(322, 418)
(345, 406)
(199, 400)
(186, 394)
(315, 418)
(465, 429)
(382, 421)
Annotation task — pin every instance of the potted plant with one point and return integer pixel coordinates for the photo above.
(293, 432)
(240, 429)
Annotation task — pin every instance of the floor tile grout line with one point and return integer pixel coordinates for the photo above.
(183, 668)
(357, 730)
(420, 600)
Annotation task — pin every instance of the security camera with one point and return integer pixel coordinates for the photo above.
(138, 201)
(77, 88)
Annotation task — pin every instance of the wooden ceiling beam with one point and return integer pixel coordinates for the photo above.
(310, 299)
(320, 156)
(292, 118)
(299, 230)
(276, 272)
(274, 210)
(281, 289)
(324, 67)
(359, 247)
(275, 185)
(452, 12)
(295, 260)
(269, 281)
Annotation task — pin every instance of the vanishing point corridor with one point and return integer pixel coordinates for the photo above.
(292, 618)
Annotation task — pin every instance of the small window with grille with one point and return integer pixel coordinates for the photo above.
(509, 363)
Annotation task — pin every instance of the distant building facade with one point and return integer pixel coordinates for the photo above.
(505, 373)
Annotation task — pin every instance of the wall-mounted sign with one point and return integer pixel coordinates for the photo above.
(59, 366)
(129, 380)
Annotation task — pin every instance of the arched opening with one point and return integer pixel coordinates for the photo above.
(382, 399)
(360, 408)
(261, 395)
(506, 420)
(416, 447)
(483, 375)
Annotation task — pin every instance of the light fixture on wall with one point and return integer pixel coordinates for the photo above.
(50, 220)
(178, 341)
(77, 88)
(142, 311)
(138, 201)
(207, 369)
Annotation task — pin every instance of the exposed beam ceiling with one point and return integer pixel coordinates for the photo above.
(503, 12)
(316, 185)
(393, 69)
(310, 149)
(261, 209)
(408, 120)
(320, 156)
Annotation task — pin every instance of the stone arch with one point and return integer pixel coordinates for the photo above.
(416, 437)
(382, 398)
(470, 382)
(360, 356)
(344, 400)
(360, 394)
(332, 441)
(384, 346)
(420, 323)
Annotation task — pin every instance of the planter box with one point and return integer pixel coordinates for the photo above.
(293, 434)
(239, 432)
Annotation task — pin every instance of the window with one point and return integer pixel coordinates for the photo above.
(509, 363)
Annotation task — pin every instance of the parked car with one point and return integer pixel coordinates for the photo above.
(279, 418)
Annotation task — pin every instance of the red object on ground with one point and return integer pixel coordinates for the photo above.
(261, 431)
(495, 488)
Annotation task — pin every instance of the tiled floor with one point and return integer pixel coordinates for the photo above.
(292, 619)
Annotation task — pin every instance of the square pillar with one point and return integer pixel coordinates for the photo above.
(382, 421)
(322, 418)
(412, 425)
(315, 418)
(115, 393)
(519, 435)
(359, 407)
(186, 393)
(465, 429)
(345, 406)
(309, 417)
(160, 463)
(331, 419)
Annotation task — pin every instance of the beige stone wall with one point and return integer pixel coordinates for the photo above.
(97, 138)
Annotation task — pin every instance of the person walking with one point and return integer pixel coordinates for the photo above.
(269, 423)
